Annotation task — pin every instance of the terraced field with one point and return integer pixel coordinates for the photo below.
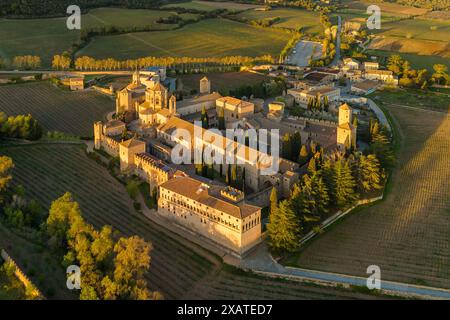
(55, 108)
(179, 269)
(408, 234)
(207, 38)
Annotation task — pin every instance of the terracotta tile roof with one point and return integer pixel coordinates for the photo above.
(198, 191)
(132, 143)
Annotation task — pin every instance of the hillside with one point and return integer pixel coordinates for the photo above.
(38, 8)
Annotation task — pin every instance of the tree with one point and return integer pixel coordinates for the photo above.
(273, 200)
(64, 220)
(287, 147)
(132, 189)
(344, 183)
(131, 263)
(368, 173)
(221, 119)
(380, 146)
(204, 118)
(395, 63)
(303, 156)
(440, 72)
(283, 229)
(326, 104)
(6, 165)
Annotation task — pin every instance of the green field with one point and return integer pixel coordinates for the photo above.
(47, 37)
(413, 98)
(179, 269)
(211, 5)
(207, 38)
(417, 61)
(56, 109)
(42, 37)
(418, 29)
(419, 36)
(408, 233)
(221, 81)
(289, 18)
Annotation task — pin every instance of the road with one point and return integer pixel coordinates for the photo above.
(261, 262)
(337, 56)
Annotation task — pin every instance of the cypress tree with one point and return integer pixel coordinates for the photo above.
(273, 200)
(369, 175)
(283, 229)
(345, 184)
(221, 119)
(287, 147)
(303, 156)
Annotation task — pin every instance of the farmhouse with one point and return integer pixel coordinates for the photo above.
(75, 83)
(382, 75)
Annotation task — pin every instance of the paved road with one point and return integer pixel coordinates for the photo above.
(261, 261)
(337, 56)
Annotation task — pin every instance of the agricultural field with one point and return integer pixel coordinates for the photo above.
(211, 5)
(212, 37)
(289, 18)
(42, 37)
(408, 233)
(41, 266)
(130, 17)
(419, 29)
(415, 46)
(422, 36)
(417, 61)
(47, 37)
(56, 109)
(220, 81)
(391, 9)
(179, 269)
(437, 101)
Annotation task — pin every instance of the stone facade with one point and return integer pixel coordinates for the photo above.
(191, 203)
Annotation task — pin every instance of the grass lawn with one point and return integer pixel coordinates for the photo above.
(212, 37)
(413, 98)
(289, 18)
(406, 234)
(56, 109)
